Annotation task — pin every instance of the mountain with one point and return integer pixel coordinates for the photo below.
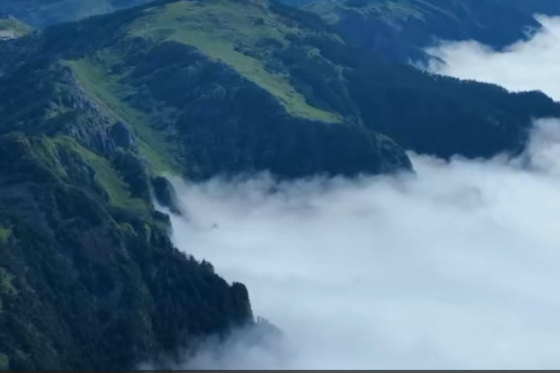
(88, 276)
(400, 29)
(92, 113)
(215, 92)
(308, 83)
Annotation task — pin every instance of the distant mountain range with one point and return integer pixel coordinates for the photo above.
(396, 29)
(92, 113)
(400, 29)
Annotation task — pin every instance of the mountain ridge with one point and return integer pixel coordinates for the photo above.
(401, 29)
(86, 253)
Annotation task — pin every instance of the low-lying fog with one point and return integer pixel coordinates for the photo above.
(455, 267)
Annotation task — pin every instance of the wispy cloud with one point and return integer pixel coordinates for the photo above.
(455, 267)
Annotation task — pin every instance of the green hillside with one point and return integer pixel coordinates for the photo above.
(91, 114)
(236, 102)
(94, 112)
(92, 279)
(241, 38)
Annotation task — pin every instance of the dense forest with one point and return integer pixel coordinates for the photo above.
(93, 112)
(89, 278)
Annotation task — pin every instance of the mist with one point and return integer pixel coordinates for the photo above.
(454, 267)
(527, 65)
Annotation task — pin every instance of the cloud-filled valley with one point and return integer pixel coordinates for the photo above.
(527, 65)
(455, 266)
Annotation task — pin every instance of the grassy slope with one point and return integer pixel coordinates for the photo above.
(233, 50)
(5, 234)
(223, 32)
(105, 174)
(18, 27)
(105, 88)
(48, 149)
(240, 40)
(233, 32)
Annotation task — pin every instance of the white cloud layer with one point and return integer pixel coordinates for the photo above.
(456, 267)
(523, 66)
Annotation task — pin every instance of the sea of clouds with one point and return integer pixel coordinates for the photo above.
(456, 266)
